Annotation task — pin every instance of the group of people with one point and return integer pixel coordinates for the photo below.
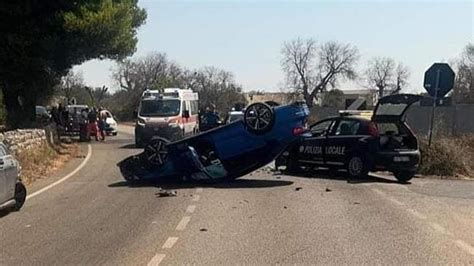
(95, 123)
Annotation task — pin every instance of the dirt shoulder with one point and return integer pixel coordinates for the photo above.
(42, 162)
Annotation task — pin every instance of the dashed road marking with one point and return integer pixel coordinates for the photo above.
(156, 260)
(199, 189)
(169, 242)
(399, 203)
(191, 208)
(196, 198)
(380, 192)
(465, 246)
(416, 214)
(183, 223)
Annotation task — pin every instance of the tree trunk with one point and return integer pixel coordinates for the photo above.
(308, 99)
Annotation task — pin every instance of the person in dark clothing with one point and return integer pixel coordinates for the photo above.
(92, 119)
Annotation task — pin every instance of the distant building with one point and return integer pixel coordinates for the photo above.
(356, 99)
(278, 97)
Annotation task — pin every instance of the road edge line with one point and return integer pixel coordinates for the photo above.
(78, 168)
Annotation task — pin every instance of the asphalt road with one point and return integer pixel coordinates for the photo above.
(94, 217)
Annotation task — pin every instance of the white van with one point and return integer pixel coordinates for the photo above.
(171, 114)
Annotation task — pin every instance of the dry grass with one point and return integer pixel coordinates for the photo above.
(42, 162)
(448, 157)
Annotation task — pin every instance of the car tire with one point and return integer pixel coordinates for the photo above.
(357, 166)
(114, 134)
(259, 118)
(156, 153)
(138, 142)
(404, 176)
(20, 196)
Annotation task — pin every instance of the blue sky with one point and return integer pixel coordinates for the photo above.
(245, 37)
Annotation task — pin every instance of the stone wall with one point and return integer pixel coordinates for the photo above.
(24, 139)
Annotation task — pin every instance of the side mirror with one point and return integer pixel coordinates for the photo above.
(135, 114)
(186, 113)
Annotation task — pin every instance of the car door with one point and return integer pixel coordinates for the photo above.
(394, 107)
(4, 188)
(341, 140)
(311, 148)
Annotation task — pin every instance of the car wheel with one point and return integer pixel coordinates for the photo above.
(357, 166)
(156, 152)
(138, 142)
(20, 196)
(404, 176)
(259, 118)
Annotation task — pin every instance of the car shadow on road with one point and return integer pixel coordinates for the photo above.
(129, 146)
(331, 175)
(232, 184)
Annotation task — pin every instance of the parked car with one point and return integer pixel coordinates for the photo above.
(360, 143)
(75, 119)
(225, 152)
(110, 123)
(12, 190)
(234, 116)
(42, 115)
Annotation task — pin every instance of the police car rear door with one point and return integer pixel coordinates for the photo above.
(311, 149)
(341, 140)
(394, 107)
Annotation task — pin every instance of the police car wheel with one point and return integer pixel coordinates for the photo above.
(259, 118)
(357, 167)
(404, 176)
(156, 152)
(293, 166)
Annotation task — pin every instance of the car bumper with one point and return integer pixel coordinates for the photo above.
(398, 161)
(145, 134)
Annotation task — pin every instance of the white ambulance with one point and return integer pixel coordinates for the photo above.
(171, 114)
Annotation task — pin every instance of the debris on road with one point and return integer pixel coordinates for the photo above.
(203, 230)
(328, 190)
(284, 207)
(167, 193)
(356, 203)
(298, 188)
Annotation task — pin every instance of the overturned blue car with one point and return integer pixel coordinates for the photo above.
(227, 152)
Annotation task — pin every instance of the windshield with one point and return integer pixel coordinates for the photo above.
(160, 108)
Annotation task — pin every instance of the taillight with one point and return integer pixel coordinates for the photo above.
(373, 130)
(298, 131)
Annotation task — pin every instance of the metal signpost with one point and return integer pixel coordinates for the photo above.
(439, 80)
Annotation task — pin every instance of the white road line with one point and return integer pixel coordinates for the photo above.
(416, 214)
(399, 203)
(199, 190)
(156, 260)
(438, 228)
(183, 223)
(465, 246)
(196, 198)
(88, 156)
(380, 192)
(170, 242)
(191, 208)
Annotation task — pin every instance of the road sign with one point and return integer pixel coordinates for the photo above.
(72, 101)
(439, 80)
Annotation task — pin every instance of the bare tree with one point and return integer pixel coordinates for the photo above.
(310, 68)
(464, 84)
(69, 83)
(386, 76)
(97, 95)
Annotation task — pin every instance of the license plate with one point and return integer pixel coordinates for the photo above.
(401, 159)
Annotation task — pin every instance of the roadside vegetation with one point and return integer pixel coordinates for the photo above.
(448, 157)
(43, 161)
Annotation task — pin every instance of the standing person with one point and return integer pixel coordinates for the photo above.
(92, 119)
(102, 124)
